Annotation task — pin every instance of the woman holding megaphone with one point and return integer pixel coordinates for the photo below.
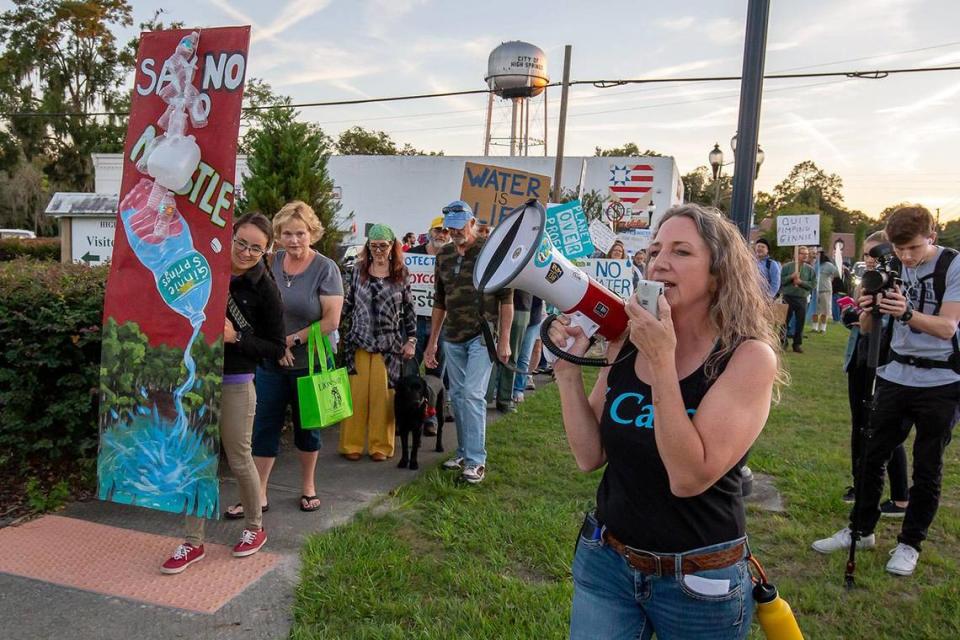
(672, 420)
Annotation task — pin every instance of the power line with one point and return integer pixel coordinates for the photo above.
(877, 74)
(658, 105)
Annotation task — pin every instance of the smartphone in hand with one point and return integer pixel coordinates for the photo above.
(648, 295)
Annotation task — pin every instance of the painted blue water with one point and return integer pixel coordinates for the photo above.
(153, 463)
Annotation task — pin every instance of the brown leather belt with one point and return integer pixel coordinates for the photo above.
(665, 564)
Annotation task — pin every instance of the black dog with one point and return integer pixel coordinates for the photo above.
(410, 402)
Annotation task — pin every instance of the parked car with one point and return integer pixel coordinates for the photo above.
(17, 233)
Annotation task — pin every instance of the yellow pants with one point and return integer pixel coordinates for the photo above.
(372, 408)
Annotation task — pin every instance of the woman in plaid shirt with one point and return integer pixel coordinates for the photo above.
(382, 334)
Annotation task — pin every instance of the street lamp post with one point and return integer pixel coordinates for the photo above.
(716, 161)
(717, 164)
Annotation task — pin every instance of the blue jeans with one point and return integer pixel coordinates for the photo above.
(614, 601)
(523, 358)
(468, 371)
(277, 389)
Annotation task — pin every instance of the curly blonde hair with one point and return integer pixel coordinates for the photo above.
(740, 307)
(299, 210)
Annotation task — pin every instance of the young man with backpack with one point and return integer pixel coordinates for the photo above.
(920, 385)
(769, 268)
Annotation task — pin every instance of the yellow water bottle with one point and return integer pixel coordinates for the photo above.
(775, 616)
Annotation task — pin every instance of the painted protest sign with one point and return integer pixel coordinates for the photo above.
(493, 192)
(601, 234)
(616, 275)
(422, 281)
(568, 229)
(793, 231)
(164, 311)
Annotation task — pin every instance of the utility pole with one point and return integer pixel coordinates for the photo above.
(748, 124)
(562, 128)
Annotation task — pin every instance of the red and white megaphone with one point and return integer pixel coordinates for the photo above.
(518, 254)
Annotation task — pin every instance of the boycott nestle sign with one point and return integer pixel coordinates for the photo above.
(422, 278)
(798, 230)
(493, 192)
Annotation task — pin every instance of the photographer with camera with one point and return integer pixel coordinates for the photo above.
(920, 384)
(860, 379)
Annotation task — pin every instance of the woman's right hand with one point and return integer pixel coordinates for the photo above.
(560, 332)
(288, 359)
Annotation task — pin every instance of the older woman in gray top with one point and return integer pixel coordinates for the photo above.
(312, 291)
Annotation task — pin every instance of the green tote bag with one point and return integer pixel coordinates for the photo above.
(325, 395)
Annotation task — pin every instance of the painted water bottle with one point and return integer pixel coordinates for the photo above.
(161, 240)
(774, 614)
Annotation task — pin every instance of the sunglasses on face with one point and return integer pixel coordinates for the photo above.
(254, 250)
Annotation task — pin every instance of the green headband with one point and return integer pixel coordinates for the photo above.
(380, 232)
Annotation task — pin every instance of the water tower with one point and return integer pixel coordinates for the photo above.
(517, 71)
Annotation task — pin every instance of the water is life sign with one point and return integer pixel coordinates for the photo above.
(569, 230)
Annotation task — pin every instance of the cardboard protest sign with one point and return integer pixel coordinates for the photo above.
(164, 311)
(794, 231)
(568, 229)
(422, 270)
(493, 192)
(616, 275)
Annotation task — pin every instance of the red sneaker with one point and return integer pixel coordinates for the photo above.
(250, 542)
(185, 555)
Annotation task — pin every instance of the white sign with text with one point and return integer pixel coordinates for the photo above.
(422, 281)
(601, 235)
(92, 239)
(616, 275)
(793, 231)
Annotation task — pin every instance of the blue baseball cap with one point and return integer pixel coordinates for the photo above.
(457, 214)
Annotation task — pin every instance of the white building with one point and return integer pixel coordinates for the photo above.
(406, 192)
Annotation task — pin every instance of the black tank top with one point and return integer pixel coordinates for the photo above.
(634, 499)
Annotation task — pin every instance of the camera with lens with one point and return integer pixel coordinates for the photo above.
(887, 274)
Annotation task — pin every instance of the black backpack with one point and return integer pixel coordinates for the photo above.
(939, 278)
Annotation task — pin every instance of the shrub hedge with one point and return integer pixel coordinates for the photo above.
(50, 326)
(38, 248)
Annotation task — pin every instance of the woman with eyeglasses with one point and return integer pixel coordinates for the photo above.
(252, 331)
(312, 291)
(382, 334)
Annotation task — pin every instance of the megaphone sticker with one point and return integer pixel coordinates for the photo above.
(554, 273)
(544, 253)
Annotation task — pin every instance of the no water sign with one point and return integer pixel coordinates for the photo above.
(568, 229)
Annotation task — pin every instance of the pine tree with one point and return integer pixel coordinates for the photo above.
(287, 160)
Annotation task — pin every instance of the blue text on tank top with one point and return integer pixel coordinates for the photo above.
(636, 413)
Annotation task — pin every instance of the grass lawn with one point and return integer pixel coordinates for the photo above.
(441, 560)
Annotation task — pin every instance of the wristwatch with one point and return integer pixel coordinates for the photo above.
(237, 339)
(907, 315)
(412, 340)
(297, 341)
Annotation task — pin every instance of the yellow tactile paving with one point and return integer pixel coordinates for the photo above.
(125, 563)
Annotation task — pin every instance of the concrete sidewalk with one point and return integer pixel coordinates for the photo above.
(33, 609)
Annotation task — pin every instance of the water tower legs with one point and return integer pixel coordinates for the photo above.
(486, 135)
